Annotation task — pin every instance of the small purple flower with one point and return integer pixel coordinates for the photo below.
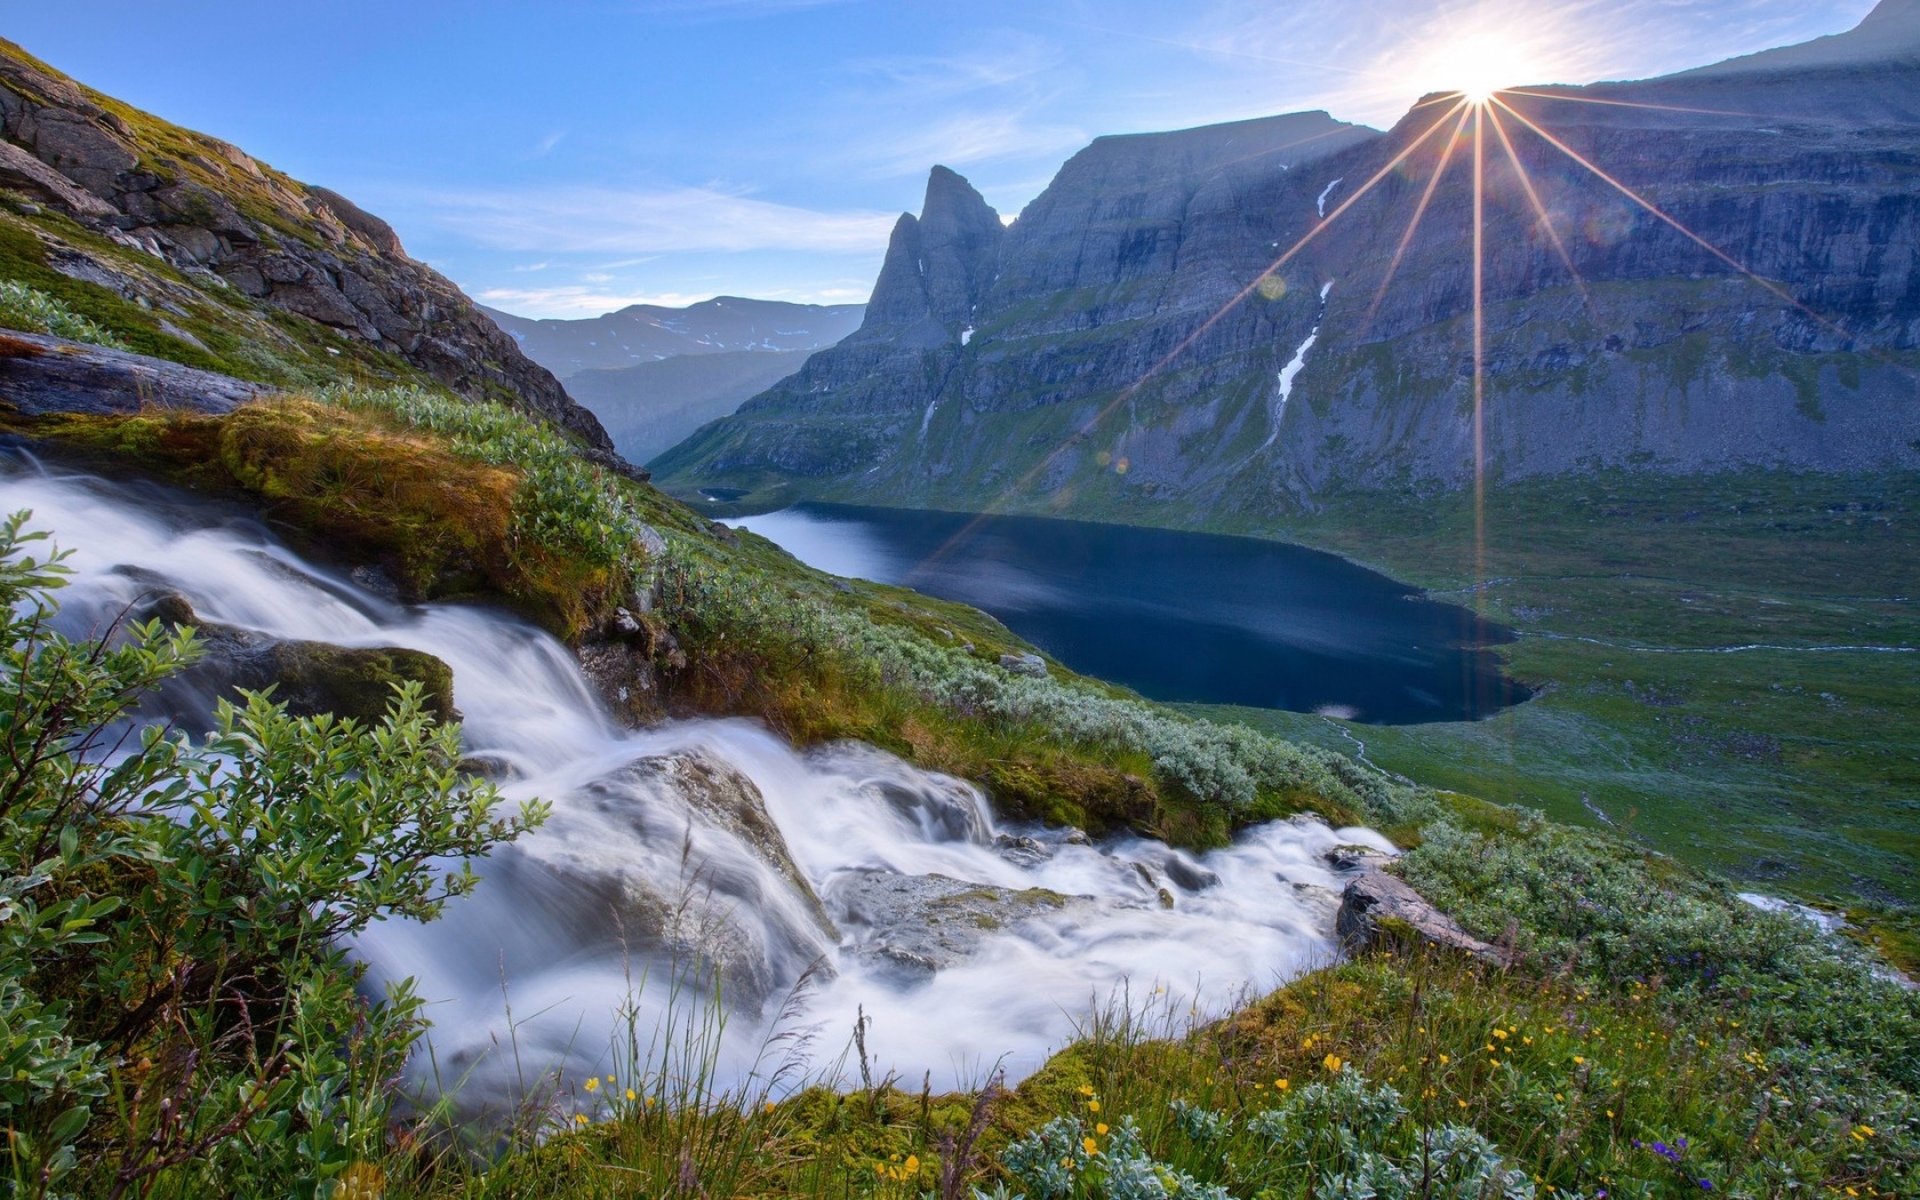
(1706, 1185)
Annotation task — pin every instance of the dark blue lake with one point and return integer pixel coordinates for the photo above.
(1179, 616)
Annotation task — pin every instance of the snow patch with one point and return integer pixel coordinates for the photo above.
(966, 335)
(1294, 367)
(1321, 203)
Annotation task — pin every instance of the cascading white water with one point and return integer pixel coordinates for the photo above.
(659, 854)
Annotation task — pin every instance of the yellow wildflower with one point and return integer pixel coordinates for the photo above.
(1280, 1085)
(1089, 1145)
(1101, 1129)
(1093, 1106)
(592, 1084)
(1086, 1090)
(1578, 1061)
(579, 1118)
(1331, 1062)
(630, 1095)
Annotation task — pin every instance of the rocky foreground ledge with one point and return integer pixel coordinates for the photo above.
(41, 375)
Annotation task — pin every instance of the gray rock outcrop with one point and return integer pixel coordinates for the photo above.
(42, 375)
(915, 925)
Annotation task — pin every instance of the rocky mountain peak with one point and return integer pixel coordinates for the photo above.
(938, 266)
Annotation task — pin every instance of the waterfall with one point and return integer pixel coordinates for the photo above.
(808, 885)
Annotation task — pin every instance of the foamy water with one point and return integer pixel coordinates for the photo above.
(632, 883)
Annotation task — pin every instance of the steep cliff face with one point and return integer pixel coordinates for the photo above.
(967, 319)
(1132, 354)
(227, 249)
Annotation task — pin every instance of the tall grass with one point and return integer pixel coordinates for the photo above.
(29, 308)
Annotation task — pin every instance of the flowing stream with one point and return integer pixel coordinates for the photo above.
(703, 856)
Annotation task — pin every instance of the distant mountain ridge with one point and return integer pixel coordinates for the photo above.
(643, 333)
(1119, 361)
(652, 407)
(654, 374)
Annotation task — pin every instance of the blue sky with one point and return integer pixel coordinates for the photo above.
(570, 157)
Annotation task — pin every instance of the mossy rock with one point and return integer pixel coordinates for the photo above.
(314, 677)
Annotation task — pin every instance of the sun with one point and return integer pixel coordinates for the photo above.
(1477, 65)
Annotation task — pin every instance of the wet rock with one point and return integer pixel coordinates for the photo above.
(729, 799)
(624, 676)
(1349, 857)
(1187, 875)
(308, 677)
(916, 925)
(1024, 851)
(1378, 908)
(611, 879)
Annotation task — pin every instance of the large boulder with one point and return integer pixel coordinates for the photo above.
(308, 677)
(1378, 909)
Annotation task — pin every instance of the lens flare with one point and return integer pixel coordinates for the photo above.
(1477, 65)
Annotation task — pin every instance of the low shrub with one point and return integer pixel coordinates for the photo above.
(30, 309)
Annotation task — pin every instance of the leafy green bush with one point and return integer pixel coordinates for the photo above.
(175, 1007)
(29, 308)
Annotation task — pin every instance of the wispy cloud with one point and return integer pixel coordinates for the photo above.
(1006, 59)
(569, 301)
(548, 142)
(598, 220)
(964, 139)
(982, 102)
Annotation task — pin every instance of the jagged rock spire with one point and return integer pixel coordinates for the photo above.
(938, 266)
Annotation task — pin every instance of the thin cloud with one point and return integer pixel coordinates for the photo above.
(597, 220)
(1010, 60)
(963, 139)
(571, 301)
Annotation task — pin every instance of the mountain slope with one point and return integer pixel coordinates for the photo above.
(192, 250)
(1124, 363)
(643, 333)
(649, 408)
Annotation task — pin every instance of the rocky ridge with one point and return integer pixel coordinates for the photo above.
(292, 281)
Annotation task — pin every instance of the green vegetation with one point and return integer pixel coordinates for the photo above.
(444, 514)
(23, 307)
